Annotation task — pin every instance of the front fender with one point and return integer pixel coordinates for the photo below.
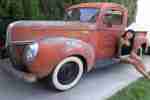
(53, 50)
(75, 47)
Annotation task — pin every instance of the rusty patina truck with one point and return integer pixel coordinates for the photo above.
(62, 51)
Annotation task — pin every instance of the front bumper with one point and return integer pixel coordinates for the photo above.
(3, 53)
(40, 67)
(28, 77)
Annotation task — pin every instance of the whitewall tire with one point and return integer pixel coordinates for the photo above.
(67, 73)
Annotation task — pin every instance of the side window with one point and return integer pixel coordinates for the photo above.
(83, 14)
(89, 14)
(113, 17)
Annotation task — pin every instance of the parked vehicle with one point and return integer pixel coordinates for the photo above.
(4, 22)
(145, 30)
(148, 48)
(64, 50)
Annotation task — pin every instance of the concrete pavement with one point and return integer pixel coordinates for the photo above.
(96, 85)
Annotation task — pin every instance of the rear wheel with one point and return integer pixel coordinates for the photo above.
(67, 73)
(148, 51)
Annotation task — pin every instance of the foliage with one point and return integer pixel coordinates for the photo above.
(50, 9)
(138, 90)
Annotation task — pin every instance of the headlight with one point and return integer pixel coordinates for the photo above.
(31, 52)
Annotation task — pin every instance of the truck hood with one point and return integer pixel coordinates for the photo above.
(34, 30)
(51, 24)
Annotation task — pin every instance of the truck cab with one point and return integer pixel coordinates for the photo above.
(106, 23)
(64, 50)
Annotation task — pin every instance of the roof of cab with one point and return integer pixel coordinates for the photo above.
(97, 5)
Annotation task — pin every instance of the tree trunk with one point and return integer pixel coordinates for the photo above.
(27, 8)
(44, 7)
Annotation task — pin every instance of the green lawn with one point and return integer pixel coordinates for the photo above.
(139, 90)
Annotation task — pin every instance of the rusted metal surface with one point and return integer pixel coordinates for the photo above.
(60, 39)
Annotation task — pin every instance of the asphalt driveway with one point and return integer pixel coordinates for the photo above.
(96, 85)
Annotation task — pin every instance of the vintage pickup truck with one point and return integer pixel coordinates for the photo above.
(62, 51)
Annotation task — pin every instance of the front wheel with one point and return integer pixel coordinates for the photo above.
(67, 73)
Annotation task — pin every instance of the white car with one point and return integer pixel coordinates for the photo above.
(145, 29)
(148, 38)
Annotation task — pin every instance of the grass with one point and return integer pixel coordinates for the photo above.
(139, 90)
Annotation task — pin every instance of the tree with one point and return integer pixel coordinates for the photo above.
(131, 5)
(27, 8)
(44, 7)
(52, 9)
(11, 8)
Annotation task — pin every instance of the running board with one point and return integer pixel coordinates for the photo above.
(106, 62)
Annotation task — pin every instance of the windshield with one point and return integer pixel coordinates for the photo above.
(82, 14)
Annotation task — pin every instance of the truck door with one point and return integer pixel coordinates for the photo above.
(112, 26)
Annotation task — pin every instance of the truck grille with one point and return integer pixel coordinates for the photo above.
(15, 54)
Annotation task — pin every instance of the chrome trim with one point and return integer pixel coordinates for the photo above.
(30, 47)
(38, 22)
(8, 33)
(7, 39)
(22, 42)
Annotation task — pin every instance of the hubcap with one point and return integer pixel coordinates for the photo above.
(68, 73)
